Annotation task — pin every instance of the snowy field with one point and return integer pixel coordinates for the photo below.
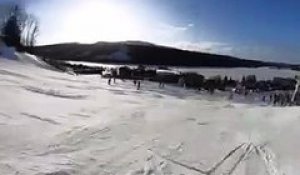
(78, 125)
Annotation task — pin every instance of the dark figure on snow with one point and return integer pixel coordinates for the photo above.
(114, 74)
(275, 99)
(138, 85)
(109, 81)
(282, 100)
(264, 98)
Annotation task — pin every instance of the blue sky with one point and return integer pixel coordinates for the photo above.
(254, 29)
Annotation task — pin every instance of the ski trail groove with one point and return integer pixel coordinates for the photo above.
(179, 163)
(248, 150)
(54, 93)
(214, 168)
(41, 119)
(268, 157)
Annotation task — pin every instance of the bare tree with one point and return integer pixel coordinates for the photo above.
(30, 31)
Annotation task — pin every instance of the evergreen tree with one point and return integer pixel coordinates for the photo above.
(12, 29)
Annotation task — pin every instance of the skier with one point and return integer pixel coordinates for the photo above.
(114, 74)
(138, 85)
(264, 98)
(109, 81)
(271, 98)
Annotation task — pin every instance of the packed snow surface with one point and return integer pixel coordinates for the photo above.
(58, 124)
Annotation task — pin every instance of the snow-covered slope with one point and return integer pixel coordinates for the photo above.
(54, 122)
(7, 52)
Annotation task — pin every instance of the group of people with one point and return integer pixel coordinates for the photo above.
(136, 83)
(279, 99)
(112, 76)
(283, 98)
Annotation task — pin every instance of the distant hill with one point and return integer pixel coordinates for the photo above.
(137, 52)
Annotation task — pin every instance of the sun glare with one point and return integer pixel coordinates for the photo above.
(101, 20)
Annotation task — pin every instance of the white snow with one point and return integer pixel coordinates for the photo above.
(167, 72)
(54, 122)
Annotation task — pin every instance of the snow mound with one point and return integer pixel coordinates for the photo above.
(7, 52)
(10, 53)
(26, 58)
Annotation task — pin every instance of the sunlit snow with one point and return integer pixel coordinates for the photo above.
(54, 122)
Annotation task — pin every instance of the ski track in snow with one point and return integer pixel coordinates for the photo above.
(52, 123)
(54, 93)
(40, 118)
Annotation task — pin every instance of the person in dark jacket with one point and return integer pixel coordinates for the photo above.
(109, 81)
(138, 85)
